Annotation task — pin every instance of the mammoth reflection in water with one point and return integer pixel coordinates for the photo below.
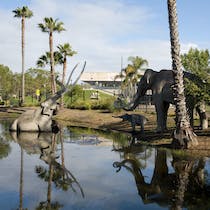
(45, 144)
(186, 186)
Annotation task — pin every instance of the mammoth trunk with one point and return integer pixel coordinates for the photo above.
(137, 98)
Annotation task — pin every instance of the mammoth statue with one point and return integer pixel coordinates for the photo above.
(40, 120)
(161, 84)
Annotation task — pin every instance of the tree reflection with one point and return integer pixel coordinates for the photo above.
(56, 173)
(5, 148)
(185, 187)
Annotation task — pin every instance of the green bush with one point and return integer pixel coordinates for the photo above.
(79, 104)
(103, 104)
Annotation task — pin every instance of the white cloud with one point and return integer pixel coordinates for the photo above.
(100, 31)
(186, 47)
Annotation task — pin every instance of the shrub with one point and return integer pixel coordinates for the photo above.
(79, 104)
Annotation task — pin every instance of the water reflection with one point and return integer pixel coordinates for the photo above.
(73, 170)
(46, 144)
(185, 186)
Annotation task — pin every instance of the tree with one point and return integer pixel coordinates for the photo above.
(44, 60)
(137, 64)
(37, 79)
(7, 82)
(131, 74)
(65, 50)
(197, 62)
(49, 26)
(23, 13)
(183, 136)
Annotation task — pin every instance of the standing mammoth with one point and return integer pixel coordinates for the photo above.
(161, 84)
(40, 119)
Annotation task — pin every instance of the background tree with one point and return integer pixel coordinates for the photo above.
(183, 135)
(23, 13)
(37, 79)
(197, 62)
(49, 26)
(65, 50)
(7, 82)
(44, 60)
(130, 75)
(135, 68)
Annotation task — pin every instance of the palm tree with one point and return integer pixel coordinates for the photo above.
(183, 135)
(137, 64)
(65, 50)
(23, 13)
(49, 26)
(45, 59)
(130, 75)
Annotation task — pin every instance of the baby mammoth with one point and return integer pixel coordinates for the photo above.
(135, 119)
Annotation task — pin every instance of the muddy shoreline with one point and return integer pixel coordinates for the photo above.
(102, 120)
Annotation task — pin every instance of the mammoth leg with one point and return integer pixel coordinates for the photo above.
(190, 109)
(142, 127)
(191, 113)
(202, 115)
(165, 112)
(161, 116)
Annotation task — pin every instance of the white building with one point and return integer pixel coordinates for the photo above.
(105, 81)
(101, 79)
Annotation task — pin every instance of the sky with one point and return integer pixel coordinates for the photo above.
(104, 33)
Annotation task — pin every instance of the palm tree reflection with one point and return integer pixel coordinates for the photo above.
(185, 187)
(55, 173)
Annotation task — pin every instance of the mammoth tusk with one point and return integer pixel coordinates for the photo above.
(78, 77)
(71, 74)
(64, 89)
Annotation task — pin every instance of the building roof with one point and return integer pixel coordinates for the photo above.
(99, 76)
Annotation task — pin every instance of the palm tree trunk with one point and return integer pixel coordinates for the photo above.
(63, 78)
(182, 169)
(21, 181)
(23, 61)
(52, 64)
(183, 135)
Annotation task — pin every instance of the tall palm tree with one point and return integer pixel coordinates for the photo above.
(65, 50)
(130, 76)
(23, 13)
(183, 135)
(49, 26)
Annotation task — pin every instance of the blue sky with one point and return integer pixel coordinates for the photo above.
(104, 31)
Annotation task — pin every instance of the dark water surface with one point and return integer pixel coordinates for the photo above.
(85, 169)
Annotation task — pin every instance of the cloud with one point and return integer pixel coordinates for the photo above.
(100, 31)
